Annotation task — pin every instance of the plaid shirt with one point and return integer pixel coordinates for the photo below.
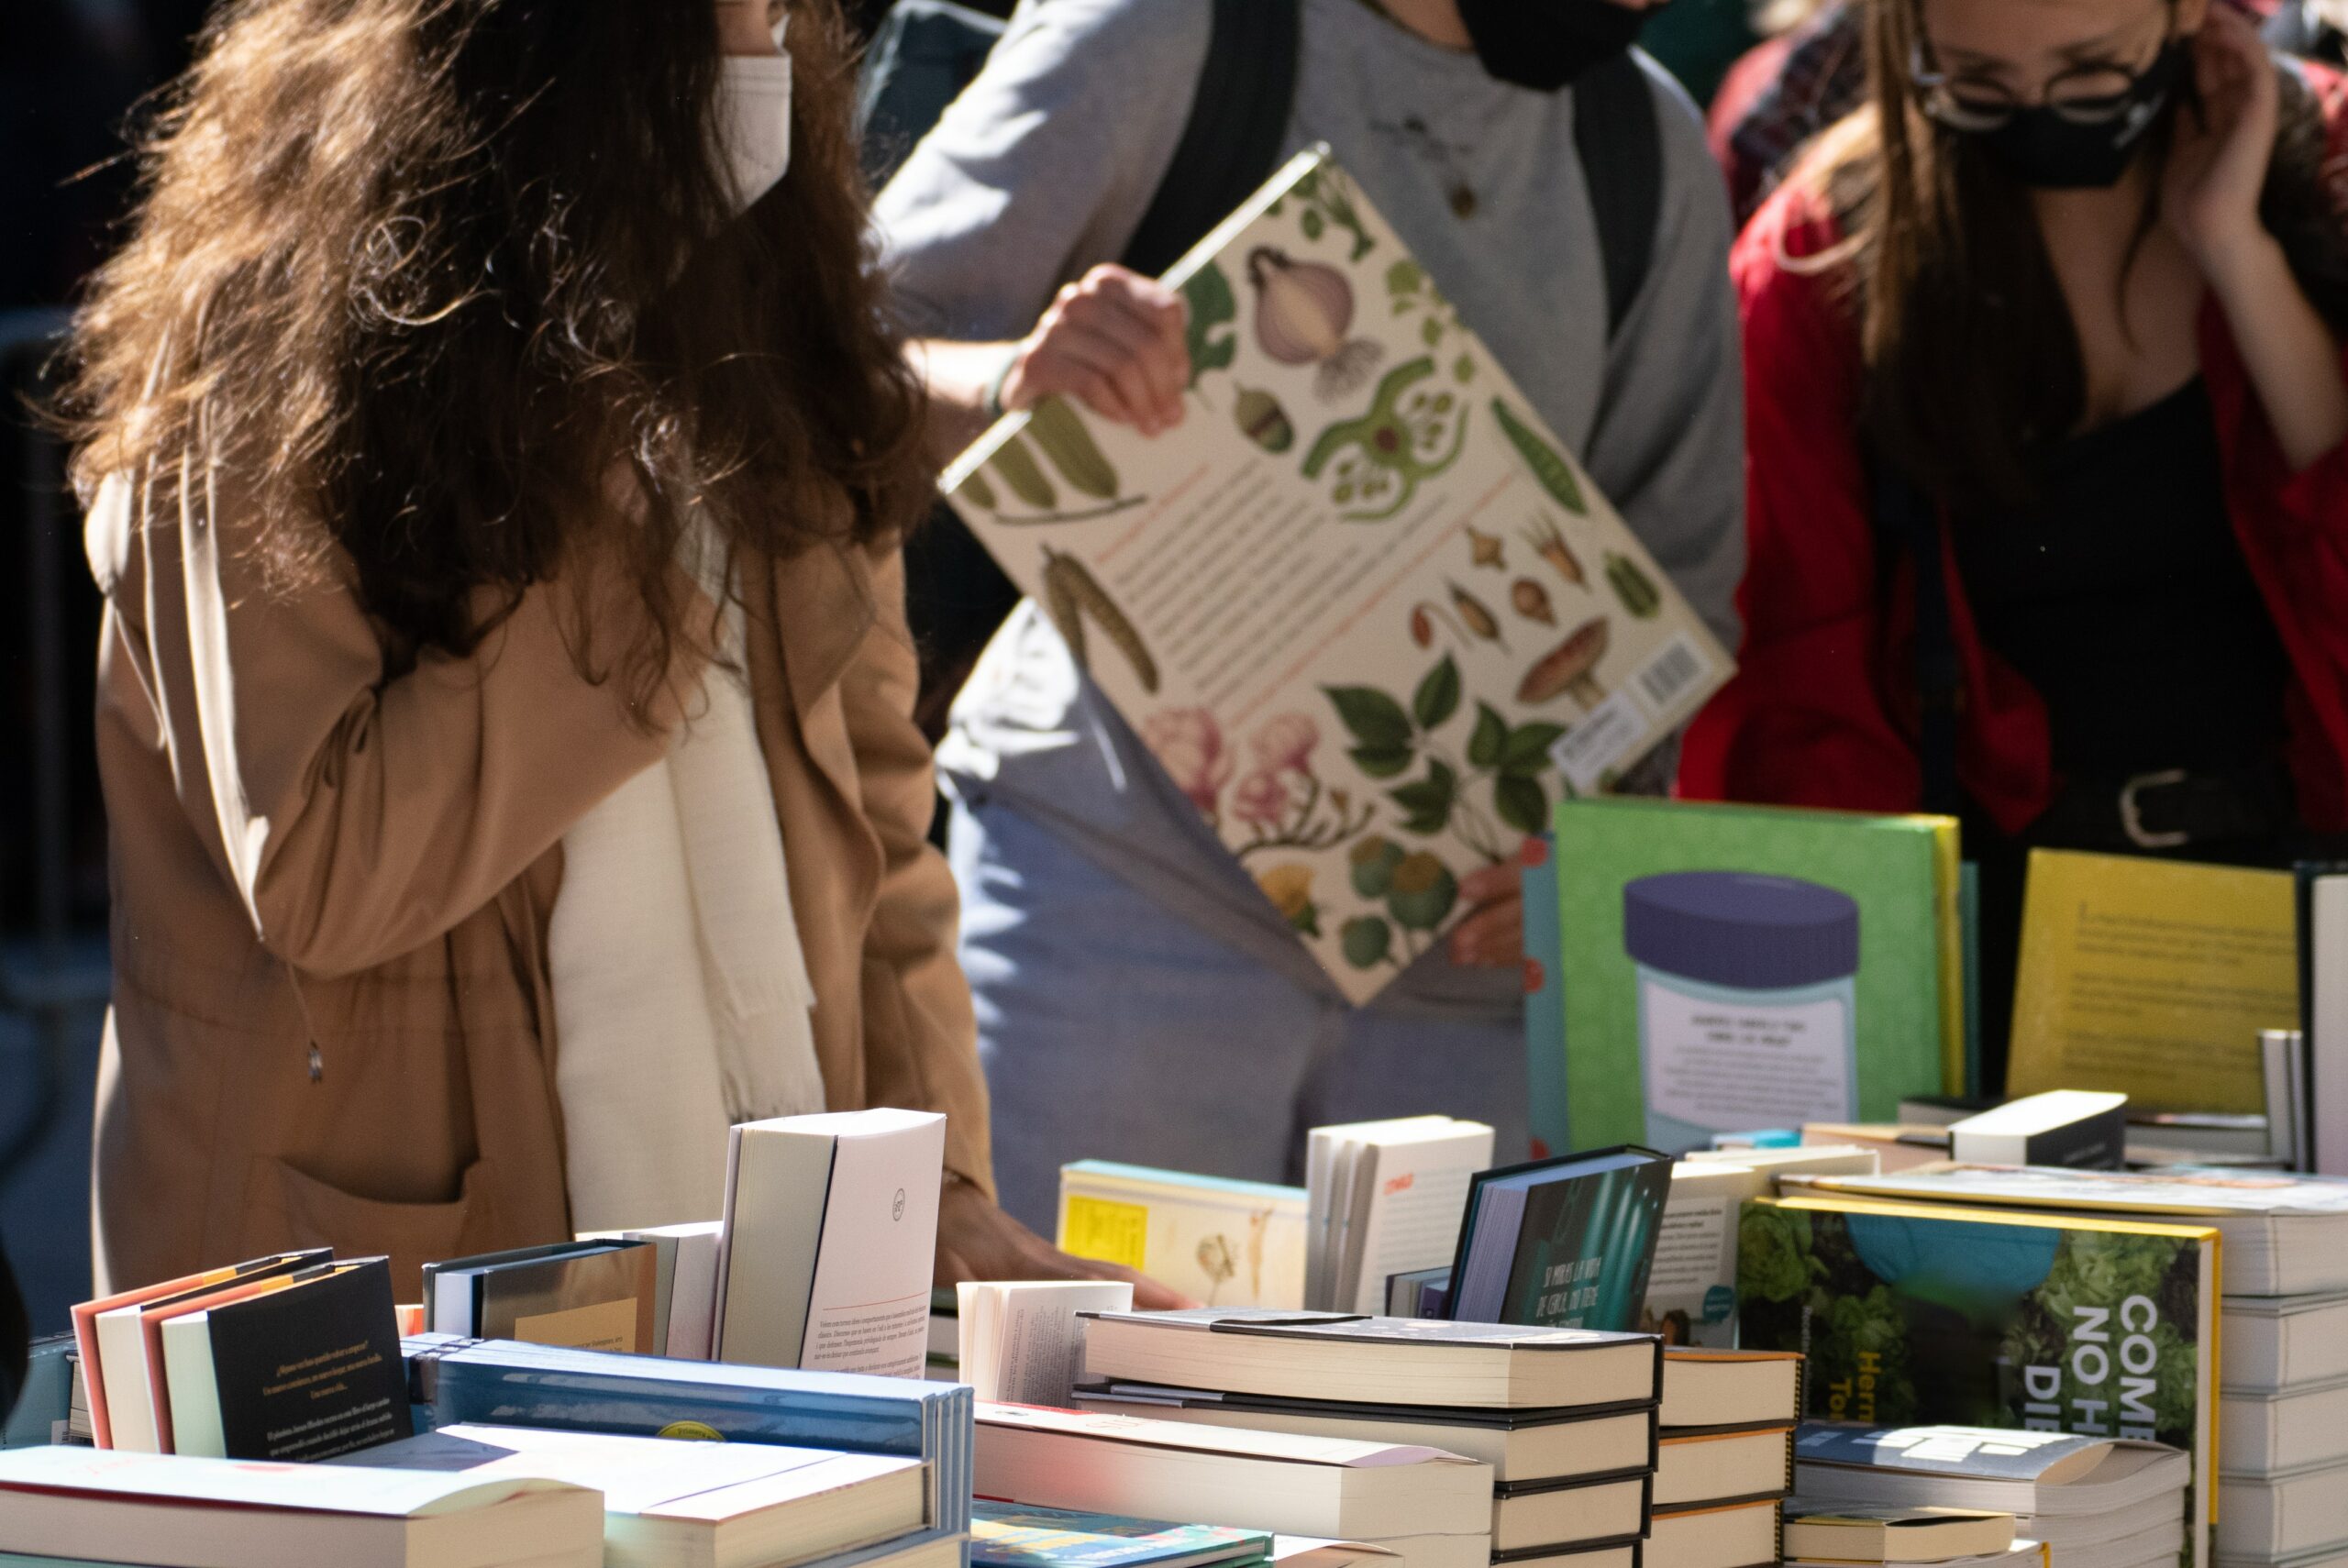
(1823, 78)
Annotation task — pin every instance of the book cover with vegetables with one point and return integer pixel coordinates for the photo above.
(1362, 604)
(1914, 1314)
(1730, 969)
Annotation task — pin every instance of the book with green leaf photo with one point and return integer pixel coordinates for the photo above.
(1362, 605)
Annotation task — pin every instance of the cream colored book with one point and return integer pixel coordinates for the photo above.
(1366, 608)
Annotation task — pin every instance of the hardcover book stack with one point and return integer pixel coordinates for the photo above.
(2281, 1401)
(1834, 1535)
(458, 1381)
(2090, 1502)
(1724, 1461)
(1561, 1423)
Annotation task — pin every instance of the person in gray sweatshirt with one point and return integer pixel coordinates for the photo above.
(1138, 998)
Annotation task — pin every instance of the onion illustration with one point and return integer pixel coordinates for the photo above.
(1302, 312)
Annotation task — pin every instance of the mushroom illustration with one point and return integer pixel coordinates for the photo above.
(1569, 669)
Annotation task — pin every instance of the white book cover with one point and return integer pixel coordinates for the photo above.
(830, 1242)
(1418, 1193)
(1371, 615)
(298, 1489)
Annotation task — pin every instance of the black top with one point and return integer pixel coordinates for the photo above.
(2124, 600)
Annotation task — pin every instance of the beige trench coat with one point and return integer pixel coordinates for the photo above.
(332, 1023)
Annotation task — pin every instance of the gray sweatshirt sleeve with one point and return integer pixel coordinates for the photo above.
(1668, 448)
(1044, 166)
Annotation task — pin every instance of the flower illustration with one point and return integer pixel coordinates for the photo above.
(1289, 888)
(1187, 743)
(1261, 801)
(1286, 743)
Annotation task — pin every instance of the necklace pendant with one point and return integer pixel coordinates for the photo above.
(1463, 200)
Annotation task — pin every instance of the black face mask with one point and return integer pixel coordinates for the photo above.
(2041, 148)
(1544, 44)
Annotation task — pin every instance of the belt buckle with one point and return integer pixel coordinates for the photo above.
(2132, 811)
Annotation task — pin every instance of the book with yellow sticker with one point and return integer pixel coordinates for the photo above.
(1228, 1244)
(2152, 977)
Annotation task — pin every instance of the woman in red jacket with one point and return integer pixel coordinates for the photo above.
(2056, 317)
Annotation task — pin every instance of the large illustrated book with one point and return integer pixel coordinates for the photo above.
(1732, 967)
(1914, 1314)
(1364, 606)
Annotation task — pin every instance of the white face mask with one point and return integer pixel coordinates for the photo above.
(754, 117)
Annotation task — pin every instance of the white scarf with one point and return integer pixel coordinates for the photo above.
(680, 990)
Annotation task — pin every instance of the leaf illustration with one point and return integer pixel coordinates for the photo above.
(1520, 802)
(1366, 941)
(1383, 761)
(1527, 750)
(1404, 277)
(1438, 695)
(1430, 801)
(1377, 721)
(1489, 742)
(1213, 306)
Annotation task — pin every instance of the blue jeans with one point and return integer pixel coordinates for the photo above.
(1113, 1029)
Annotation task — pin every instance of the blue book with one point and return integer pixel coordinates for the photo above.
(1009, 1535)
(508, 1384)
(1544, 999)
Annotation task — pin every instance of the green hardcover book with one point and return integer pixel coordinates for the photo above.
(1734, 967)
(1920, 1314)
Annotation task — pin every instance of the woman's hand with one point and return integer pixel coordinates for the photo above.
(1492, 936)
(2217, 166)
(1116, 342)
(976, 1240)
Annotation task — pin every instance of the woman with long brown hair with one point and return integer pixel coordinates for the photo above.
(2048, 494)
(496, 453)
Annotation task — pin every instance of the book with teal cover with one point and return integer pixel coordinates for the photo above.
(1732, 967)
(1011, 1535)
(1561, 1243)
(1915, 1314)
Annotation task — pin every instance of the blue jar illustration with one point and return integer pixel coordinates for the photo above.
(1747, 1002)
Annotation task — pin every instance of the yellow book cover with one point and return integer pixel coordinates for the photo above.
(2152, 977)
(1224, 1242)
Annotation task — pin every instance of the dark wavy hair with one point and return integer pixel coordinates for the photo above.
(1972, 365)
(458, 287)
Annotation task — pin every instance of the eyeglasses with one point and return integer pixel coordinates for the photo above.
(2095, 92)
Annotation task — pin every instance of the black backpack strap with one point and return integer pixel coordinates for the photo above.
(1237, 126)
(1907, 524)
(924, 54)
(1620, 146)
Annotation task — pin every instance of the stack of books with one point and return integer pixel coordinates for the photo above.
(1724, 1461)
(2281, 1405)
(1430, 1510)
(1561, 1422)
(79, 1506)
(2092, 1502)
(711, 1505)
(1830, 1535)
(458, 1381)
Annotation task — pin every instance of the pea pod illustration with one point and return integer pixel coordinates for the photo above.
(1072, 596)
(1557, 476)
(1632, 587)
(974, 485)
(1064, 439)
(1016, 464)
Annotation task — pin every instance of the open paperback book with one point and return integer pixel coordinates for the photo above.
(1367, 611)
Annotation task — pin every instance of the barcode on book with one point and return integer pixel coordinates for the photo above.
(1587, 753)
(1670, 675)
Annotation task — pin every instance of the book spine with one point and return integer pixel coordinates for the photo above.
(1544, 999)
